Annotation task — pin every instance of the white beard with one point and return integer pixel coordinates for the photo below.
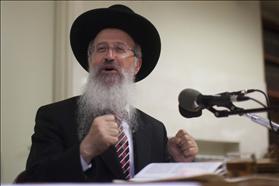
(99, 99)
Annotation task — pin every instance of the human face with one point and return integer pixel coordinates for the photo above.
(112, 54)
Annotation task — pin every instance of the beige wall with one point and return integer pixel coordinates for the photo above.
(208, 46)
(26, 77)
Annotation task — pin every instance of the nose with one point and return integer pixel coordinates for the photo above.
(110, 54)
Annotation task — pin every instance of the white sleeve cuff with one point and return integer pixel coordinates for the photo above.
(85, 166)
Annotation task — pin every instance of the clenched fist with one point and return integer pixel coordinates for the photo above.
(103, 133)
(182, 147)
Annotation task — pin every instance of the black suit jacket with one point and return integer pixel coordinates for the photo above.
(55, 157)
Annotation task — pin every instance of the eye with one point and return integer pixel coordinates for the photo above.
(120, 49)
(101, 49)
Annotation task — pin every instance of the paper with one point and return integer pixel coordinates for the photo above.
(156, 171)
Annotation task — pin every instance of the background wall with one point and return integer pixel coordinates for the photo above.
(209, 46)
(27, 31)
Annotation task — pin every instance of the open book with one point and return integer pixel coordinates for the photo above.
(176, 171)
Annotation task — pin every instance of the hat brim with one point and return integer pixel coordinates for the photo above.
(89, 24)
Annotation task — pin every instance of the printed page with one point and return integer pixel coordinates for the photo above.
(155, 171)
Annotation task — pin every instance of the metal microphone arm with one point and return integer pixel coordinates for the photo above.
(262, 121)
(250, 113)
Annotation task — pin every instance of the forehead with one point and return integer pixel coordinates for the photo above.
(114, 35)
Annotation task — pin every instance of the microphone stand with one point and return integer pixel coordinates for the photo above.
(233, 110)
(262, 121)
(238, 111)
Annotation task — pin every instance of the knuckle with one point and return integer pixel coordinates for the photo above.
(109, 116)
(115, 124)
(97, 121)
(182, 132)
(98, 118)
(193, 150)
(115, 139)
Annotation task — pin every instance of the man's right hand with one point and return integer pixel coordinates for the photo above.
(102, 134)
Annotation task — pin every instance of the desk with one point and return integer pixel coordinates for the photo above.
(254, 180)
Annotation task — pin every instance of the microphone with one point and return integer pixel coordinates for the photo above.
(189, 114)
(191, 102)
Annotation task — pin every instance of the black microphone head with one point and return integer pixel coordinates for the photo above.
(189, 114)
(188, 100)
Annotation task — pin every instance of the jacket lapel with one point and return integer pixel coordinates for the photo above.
(142, 151)
(111, 160)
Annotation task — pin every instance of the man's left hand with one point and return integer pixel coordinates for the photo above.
(182, 147)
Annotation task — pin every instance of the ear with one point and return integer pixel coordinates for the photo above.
(138, 65)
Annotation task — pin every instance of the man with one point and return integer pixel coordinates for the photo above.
(99, 136)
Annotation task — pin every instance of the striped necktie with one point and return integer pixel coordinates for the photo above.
(122, 150)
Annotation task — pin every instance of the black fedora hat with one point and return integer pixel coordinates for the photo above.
(89, 24)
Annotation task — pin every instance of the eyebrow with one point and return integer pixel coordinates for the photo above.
(117, 42)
